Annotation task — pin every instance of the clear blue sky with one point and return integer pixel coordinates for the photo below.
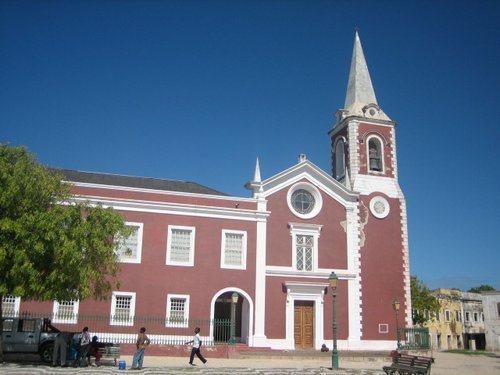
(196, 90)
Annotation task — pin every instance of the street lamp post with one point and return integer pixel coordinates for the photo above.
(234, 301)
(395, 305)
(335, 354)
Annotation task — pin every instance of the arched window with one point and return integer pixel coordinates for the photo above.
(339, 160)
(375, 162)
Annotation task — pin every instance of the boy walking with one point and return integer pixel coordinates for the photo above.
(196, 341)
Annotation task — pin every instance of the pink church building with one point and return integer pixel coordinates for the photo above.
(193, 248)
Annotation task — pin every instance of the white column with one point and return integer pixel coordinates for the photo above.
(259, 338)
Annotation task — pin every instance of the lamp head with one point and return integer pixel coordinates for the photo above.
(395, 304)
(333, 279)
(234, 297)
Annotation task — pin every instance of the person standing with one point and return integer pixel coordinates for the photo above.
(60, 346)
(196, 341)
(141, 344)
(83, 349)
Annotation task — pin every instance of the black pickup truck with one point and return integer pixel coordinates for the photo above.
(29, 335)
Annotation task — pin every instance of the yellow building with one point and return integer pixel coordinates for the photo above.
(446, 328)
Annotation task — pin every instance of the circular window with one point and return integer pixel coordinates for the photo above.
(379, 207)
(304, 200)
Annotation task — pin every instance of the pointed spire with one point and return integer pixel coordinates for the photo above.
(360, 98)
(256, 176)
(256, 184)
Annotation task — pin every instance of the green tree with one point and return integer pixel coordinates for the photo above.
(482, 288)
(52, 246)
(422, 301)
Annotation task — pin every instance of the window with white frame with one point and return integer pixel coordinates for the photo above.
(130, 248)
(476, 317)
(180, 246)
(234, 249)
(10, 306)
(447, 315)
(305, 246)
(467, 316)
(375, 154)
(458, 316)
(122, 308)
(177, 310)
(65, 312)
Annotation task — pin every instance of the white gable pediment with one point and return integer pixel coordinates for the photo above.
(305, 170)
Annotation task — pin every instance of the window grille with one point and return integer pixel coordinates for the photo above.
(181, 245)
(9, 308)
(233, 249)
(304, 248)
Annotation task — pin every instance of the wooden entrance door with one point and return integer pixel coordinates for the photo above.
(304, 324)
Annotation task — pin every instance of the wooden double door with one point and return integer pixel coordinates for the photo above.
(304, 324)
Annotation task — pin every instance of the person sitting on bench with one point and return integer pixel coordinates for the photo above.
(94, 350)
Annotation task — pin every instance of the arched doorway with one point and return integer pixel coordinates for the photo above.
(224, 305)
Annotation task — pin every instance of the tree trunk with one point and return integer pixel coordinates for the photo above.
(1, 329)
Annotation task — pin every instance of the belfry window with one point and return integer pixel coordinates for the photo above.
(375, 155)
(339, 160)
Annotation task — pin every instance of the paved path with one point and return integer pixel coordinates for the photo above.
(446, 364)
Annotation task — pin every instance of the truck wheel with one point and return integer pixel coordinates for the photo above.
(46, 352)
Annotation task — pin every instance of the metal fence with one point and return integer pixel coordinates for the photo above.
(416, 338)
(123, 330)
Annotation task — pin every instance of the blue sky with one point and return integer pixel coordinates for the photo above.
(197, 90)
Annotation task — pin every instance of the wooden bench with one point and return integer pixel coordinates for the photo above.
(409, 364)
(109, 352)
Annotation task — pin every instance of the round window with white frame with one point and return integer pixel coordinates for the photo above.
(379, 207)
(304, 200)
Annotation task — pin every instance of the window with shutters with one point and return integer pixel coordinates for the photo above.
(180, 246)
(234, 249)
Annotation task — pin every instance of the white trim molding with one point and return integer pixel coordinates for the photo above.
(305, 291)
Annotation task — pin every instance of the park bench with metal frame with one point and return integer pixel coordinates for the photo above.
(405, 364)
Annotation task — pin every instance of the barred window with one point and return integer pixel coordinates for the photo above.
(65, 312)
(122, 308)
(10, 306)
(180, 246)
(177, 310)
(233, 249)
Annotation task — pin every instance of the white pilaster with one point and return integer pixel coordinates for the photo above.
(259, 337)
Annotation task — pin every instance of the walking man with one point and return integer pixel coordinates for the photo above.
(196, 341)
